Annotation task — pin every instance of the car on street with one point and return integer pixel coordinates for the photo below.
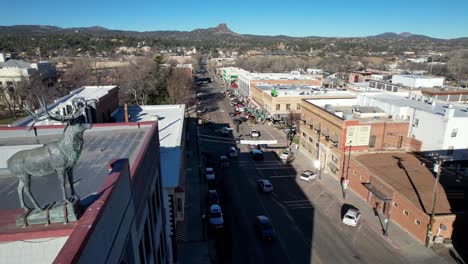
(308, 175)
(203, 110)
(255, 133)
(225, 131)
(265, 185)
(264, 228)
(223, 161)
(213, 197)
(216, 216)
(232, 104)
(232, 114)
(285, 155)
(351, 217)
(210, 174)
(233, 152)
(256, 154)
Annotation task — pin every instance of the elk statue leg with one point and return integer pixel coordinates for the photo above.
(72, 184)
(61, 177)
(21, 192)
(27, 189)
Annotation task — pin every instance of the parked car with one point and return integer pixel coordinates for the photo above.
(308, 175)
(213, 197)
(216, 216)
(223, 161)
(285, 155)
(351, 217)
(210, 174)
(254, 133)
(225, 131)
(265, 185)
(232, 104)
(256, 154)
(264, 228)
(203, 110)
(232, 114)
(233, 152)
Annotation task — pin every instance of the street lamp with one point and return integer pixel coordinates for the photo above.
(317, 168)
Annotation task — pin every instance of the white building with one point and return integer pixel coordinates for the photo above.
(417, 81)
(171, 149)
(245, 80)
(439, 126)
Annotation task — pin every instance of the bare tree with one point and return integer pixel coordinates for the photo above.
(79, 74)
(180, 86)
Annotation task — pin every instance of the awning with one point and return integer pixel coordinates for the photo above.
(317, 127)
(333, 167)
(334, 139)
(376, 192)
(326, 133)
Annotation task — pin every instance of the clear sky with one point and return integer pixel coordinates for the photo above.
(339, 18)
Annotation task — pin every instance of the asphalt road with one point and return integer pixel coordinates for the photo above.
(306, 218)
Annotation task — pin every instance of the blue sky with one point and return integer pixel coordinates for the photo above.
(442, 19)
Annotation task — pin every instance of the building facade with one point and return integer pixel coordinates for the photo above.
(418, 81)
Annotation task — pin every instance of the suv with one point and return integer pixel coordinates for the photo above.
(216, 216)
(351, 217)
(264, 227)
(265, 185)
(254, 133)
(210, 175)
(256, 154)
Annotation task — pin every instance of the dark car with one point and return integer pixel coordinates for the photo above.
(213, 197)
(264, 228)
(232, 114)
(256, 154)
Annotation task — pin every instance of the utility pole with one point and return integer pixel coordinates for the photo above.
(346, 181)
(437, 169)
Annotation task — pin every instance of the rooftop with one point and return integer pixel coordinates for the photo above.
(435, 107)
(171, 127)
(302, 90)
(277, 76)
(420, 77)
(15, 64)
(85, 92)
(409, 177)
(102, 144)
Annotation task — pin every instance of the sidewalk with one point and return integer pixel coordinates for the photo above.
(193, 246)
(398, 238)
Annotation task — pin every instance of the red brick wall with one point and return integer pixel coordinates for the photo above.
(388, 133)
(408, 222)
(106, 105)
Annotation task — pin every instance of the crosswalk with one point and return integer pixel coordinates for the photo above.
(298, 204)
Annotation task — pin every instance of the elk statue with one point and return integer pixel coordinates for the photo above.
(57, 157)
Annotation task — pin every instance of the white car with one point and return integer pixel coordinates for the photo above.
(233, 152)
(216, 216)
(308, 175)
(254, 133)
(265, 185)
(285, 155)
(210, 174)
(351, 217)
(200, 111)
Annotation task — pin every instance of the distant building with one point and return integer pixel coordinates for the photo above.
(118, 179)
(417, 81)
(278, 101)
(104, 100)
(246, 79)
(13, 71)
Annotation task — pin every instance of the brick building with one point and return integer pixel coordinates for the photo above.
(331, 127)
(400, 186)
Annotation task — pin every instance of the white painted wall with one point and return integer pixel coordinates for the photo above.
(414, 81)
(43, 250)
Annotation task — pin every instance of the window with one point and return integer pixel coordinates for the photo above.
(311, 140)
(361, 178)
(288, 106)
(278, 107)
(454, 132)
(298, 107)
(303, 134)
(372, 141)
(354, 172)
(405, 212)
(335, 158)
(416, 122)
(179, 205)
(417, 222)
(395, 205)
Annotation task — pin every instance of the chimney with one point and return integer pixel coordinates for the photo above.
(450, 111)
(126, 112)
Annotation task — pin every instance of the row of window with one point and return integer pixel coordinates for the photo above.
(288, 107)
(406, 213)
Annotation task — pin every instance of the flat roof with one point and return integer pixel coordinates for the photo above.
(301, 90)
(86, 92)
(406, 174)
(419, 77)
(277, 76)
(171, 126)
(102, 144)
(439, 107)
